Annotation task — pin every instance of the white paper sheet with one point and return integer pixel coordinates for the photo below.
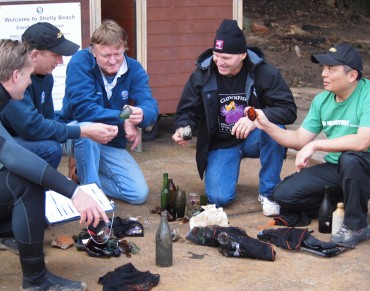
(60, 208)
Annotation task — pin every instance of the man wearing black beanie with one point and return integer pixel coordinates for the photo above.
(228, 78)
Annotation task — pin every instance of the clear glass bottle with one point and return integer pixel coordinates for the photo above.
(165, 194)
(163, 243)
(338, 218)
(193, 205)
(325, 212)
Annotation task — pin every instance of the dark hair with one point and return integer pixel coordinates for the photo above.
(348, 69)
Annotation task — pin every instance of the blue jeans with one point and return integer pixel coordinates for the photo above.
(114, 170)
(223, 167)
(49, 150)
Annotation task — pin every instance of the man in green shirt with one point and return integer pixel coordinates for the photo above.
(342, 112)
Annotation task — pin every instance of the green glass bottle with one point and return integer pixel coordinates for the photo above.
(165, 193)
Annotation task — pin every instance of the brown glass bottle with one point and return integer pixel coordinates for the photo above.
(172, 189)
(325, 213)
(165, 193)
(180, 202)
(163, 243)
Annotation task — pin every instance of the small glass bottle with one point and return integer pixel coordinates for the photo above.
(165, 194)
(163, 243)
(325, 213)
(180, 202)
(338, 218)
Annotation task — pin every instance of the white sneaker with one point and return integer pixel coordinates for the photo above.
(269, 208)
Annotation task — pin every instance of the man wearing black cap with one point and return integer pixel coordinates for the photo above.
(228, 78)
(342, 112)
(31, 120)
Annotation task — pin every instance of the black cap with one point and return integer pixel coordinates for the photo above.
(230, 38)
(45, 36)
(341, 54)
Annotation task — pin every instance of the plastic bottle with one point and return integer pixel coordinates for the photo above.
(325, 213)
(338, 217)
(163, 243)
(165, 194)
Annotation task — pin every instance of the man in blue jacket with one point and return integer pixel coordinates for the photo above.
(228, 78)
(101, 80)
(31, 120)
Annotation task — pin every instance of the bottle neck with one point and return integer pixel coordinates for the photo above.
(165, 180)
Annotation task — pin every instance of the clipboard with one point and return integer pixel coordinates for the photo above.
(59, 209)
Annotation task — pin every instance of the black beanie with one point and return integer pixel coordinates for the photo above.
(230, 38)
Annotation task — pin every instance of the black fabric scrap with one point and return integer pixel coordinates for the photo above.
(291, 219)
(287, 238)
(231, 242)
(128, 278)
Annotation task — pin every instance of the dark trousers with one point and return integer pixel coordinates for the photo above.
(349, 182)
(22, 204)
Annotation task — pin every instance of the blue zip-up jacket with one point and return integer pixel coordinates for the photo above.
(86, 98)
(265, 89)
(32, 118)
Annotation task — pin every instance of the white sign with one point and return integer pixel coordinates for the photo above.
(15, 19)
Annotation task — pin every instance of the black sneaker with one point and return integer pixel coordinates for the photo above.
(349, 237)
(48, 281)
(9, 244)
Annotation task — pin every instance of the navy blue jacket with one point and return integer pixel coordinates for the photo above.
(33, 117)
(26, 164)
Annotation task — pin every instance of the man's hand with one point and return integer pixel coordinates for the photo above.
(177, 137)
(132, 133)
(137, 115)
(242, 128)
(88, 208)
(99, 132)
(303, 157)
(261, 120)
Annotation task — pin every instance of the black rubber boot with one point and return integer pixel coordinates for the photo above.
(48, 281)
(35, 275)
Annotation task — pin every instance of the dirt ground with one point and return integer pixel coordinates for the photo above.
(307, 27)
(198, 267)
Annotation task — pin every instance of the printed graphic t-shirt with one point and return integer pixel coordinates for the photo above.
(232, 100)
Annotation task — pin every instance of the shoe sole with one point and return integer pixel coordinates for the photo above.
(8, 244)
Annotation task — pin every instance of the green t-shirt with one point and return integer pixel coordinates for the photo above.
(337, 119)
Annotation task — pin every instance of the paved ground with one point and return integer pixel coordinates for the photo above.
(198, 267)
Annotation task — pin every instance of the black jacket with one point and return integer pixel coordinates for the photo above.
(198, 107)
